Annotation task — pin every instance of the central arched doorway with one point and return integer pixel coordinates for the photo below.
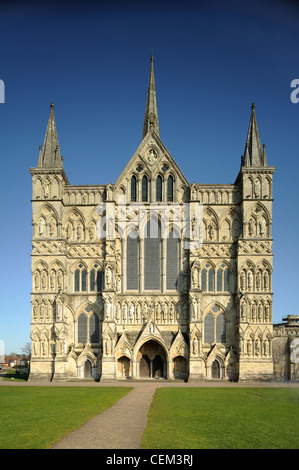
(152, 361)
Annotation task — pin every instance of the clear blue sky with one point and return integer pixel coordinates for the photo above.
(212, 60)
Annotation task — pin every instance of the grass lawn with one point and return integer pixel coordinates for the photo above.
(220, 418)
(37, 417)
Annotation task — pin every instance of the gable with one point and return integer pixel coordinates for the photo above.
(151, 159)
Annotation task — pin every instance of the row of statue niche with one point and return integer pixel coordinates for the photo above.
(137, 313)
(48, 312)
(47, 228)
(45, 347)
(41, 280)
(77, 233)
(255, 347)
(219, 197)
(262, 281)
(257, 228)
(255, 312)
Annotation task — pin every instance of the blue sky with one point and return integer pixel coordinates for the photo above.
(212, 60)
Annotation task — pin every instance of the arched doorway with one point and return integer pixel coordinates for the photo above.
(152, 361)
(215, 370)
(158, 367)
(145, 366)
(180, 369)
(124, 367)
(87, 369)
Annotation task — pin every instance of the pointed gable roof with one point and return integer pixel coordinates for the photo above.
(49, 156)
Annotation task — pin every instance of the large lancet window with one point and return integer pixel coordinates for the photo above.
(152, 255)
(172, 259)
(159, 189)
(170, 188)
(144, 189)
(82, 328)
(94, 328)
(132, 261)
(133, 189)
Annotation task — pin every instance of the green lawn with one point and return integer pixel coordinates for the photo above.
(220, 418)
(37, 417)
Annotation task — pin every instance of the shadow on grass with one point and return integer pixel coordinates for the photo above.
(16, 374)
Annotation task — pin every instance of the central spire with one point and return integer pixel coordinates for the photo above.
(151, 120)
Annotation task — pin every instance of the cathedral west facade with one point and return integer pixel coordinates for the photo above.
(152, 276)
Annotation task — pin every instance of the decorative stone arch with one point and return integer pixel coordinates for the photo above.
(210, 224)
(257, 212)
(87, 364)
(215, 365)
(151, 358)
(46, 222)
(74, 220)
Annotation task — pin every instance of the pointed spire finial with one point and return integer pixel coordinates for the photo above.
(49, 154)
(151, 120)
(253, 155)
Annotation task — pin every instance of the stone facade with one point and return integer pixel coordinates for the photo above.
(111, 301)
(286, 349)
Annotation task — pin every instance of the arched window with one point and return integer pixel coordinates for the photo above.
(94, 328)
(133, 189)
(96, 277)
(172, 258)
(204, 280)
(170, 188)
(159, 189)
(144, 189)
(152, 255)
(84, 281)
(77, 280)
(208, 278)
(222, 279)
(211, 280)
(80, 279)
(220, 329)
(132, 261)
(215, 327)
(209, 328)
(219, 280)
(226, 280)
(82, 328)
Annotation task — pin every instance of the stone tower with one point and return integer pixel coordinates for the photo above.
(255, 260)
(49, 263)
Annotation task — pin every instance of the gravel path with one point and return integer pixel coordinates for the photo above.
(118, 427)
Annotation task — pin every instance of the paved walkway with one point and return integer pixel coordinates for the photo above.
(119, 427)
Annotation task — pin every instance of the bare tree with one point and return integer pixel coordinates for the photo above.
(26, 350)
